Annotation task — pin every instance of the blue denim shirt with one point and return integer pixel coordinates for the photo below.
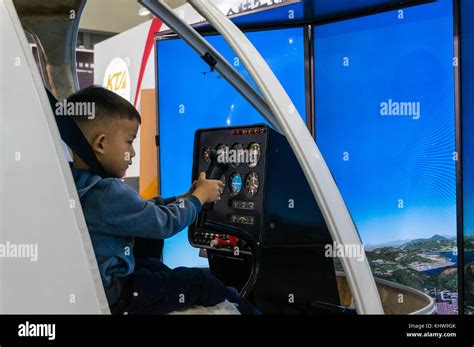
(115, 214)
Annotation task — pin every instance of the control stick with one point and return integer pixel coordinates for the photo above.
(214, 171)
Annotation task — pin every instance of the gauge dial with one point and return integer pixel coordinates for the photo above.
(236, 155)
(206, 155)
(221, 148)
(222, 153)
(255, 153)
(235, 182)
(252, 184)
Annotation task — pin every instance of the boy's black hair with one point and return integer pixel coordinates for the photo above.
(108, 105)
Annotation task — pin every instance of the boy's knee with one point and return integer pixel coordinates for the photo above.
(194, 277)
(202, 278)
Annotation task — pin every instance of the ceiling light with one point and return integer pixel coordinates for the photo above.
(143, 12)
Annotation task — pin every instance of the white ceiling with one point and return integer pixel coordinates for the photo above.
(114, 16)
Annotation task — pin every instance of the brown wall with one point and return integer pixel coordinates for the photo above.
(148, 152)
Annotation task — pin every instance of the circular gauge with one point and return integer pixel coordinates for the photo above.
(251, 184)
(254, 154)
(222, 151)
(236, 155)
(221, 148)
(206, 154)
(235, 181)
(223, 180)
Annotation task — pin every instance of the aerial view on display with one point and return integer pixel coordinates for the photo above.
(391, 144)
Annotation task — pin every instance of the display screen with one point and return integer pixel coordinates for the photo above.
(190, 97)
(385, 124)
(239, 219)
(243, 205)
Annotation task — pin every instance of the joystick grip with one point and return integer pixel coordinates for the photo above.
(214, 171)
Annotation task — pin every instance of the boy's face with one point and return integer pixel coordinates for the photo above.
(114, 146)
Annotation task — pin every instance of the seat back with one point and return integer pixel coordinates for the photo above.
(48, 263)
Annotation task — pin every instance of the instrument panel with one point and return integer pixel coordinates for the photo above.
(235, 156)
(267, 195)
(242, 149)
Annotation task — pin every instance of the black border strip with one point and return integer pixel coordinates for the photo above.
(309, 78)
(157, 137)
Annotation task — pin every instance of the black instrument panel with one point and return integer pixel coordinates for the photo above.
(243, 149)
(267, 196)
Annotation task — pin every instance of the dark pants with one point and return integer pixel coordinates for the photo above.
(153, 288)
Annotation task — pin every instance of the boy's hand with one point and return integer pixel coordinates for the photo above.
(192, 188)
(189, 192)
(208, 190)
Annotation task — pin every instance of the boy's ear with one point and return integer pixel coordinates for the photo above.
(98, 144)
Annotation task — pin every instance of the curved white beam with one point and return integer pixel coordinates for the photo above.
(328, 197)
(189, 35)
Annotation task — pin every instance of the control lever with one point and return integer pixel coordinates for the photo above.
(219, 242)
(255, 258)
(214, 171)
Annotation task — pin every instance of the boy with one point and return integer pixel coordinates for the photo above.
(116, 214)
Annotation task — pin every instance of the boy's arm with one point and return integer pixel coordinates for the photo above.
(165, 201)
(124, 213)
(158, 200)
